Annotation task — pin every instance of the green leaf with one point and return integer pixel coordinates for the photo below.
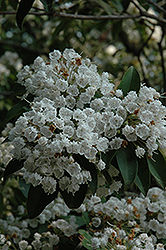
(107, 176)
(74, 201)
(24, 187)
(87, 239)
(107, 157)
(85, 217)
(23, 9)
(125, 4)
(130, 81)
(12, 3)
(117, 4)
(85, 164)
(142, 179)
(17, 110)
(128, 164)
(38, 200)
(157, 167)
(47, 4)
(105, 6)
(13, 166)
(1, 201)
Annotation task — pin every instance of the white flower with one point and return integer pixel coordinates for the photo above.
(61, 84)
(65, 113)
(23, 245)
(36, 244)
(2, 239)
(131, 107)
(85, 98)
(96, 221)
(101, 165)
(129, 133)
(140, 152)
(49, 184)
(73, 90)
(154, 224)
(64, 183)
(55, 55)
(154, 207)
(102, 144)
(68, 131)
(53, 239)
(115, 143)
(116, 121)
(95, 243)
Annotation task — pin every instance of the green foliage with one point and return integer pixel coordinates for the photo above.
(87, 239)
(130, 81)
(85, 217)
(24, 187)
(23, 9)
(128, 164)
(107, 176)
(143, 178)
(13, 166)
(157, 167)
(17, 110)
(47, 4)
(74, 201)
(38, 200)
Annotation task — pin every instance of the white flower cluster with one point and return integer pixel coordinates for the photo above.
(5, 147)
(139, 214)
(18, 230)
(122, 224)
(77, 111)
(12, 60)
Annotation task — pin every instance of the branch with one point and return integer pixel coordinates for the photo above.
(30, 13)
(162, 62)
(19, 46)
(91, 17)
(157, 6)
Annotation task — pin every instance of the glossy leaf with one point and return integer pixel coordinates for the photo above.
(107, 157)
(38, 200)
(17, 110)
(130, 81)
(157, 167)
(13, 4)
(74, 201)
(24, 187)
(23, 9)
(125, 4)
(85, 217)
(128, 164)
(89, 166)
(117, 4)
(87, 239)
(108, 9)
(107, 176)
(142, 179)
(13, 166)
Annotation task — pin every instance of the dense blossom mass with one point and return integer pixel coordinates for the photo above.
(135, 223)
(78, 111)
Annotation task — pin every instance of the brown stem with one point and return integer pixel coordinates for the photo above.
(162, 61)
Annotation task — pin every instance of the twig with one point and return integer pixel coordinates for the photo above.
(92, 17)
(157, 6)
(146, 42)
(18, 46)
(142, 69)
(162, 61)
